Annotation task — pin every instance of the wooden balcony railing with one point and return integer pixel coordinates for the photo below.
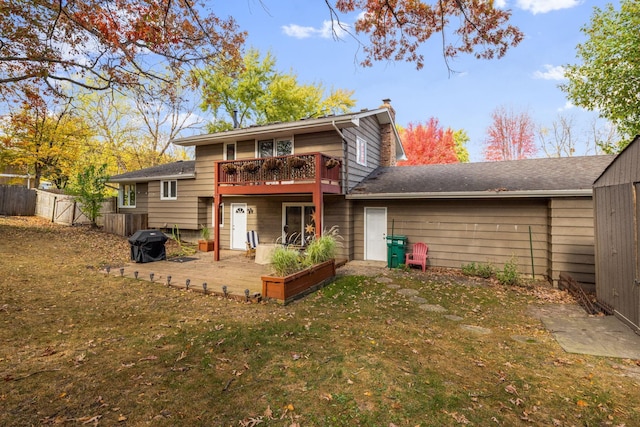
(294, 169)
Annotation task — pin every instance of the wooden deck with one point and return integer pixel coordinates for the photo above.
(234, 270)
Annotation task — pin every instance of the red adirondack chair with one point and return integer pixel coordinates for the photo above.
(418, 256)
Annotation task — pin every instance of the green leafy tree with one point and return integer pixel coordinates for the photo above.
(258, 93)
(608, 77)
(91, 190)
(460, 139)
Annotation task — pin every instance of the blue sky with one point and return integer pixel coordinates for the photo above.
(526, 79)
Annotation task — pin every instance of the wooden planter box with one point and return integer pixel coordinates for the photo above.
(205, 245)
(286, 289)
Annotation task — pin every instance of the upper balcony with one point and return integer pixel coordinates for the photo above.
(299, 173)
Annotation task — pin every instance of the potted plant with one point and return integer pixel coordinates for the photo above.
(229, 168)
(250, 167)
(205, 244)
(331, 163)
(272, 164)
(295, 275)
(297, 162)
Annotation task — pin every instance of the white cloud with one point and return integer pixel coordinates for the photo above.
(326, 31)
(500, 4)
(544, 6)
(567, 106)
(552, 72)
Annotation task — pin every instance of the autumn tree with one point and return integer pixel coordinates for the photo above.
(45, 139)
(428, 143)
(397, 29)
(607, 79)
(255, 92)
(510, 136)
(105, 44)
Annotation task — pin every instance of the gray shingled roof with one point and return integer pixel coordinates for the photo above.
(530, 175)
(176, 170)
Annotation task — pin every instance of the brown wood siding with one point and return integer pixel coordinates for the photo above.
(369, 130)
(246, 149)
(206, 155)
(328, 143)
(182, 212)
(465, 231)
(624, 169)
(338, 212)
(571, 232)
(615, 249)
(616, 235)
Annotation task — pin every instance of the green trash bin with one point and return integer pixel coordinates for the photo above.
(396, 249)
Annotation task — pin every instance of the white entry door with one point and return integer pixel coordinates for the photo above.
(375, 234)
(238, 225)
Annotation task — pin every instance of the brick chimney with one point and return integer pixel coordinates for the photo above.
(387, 140)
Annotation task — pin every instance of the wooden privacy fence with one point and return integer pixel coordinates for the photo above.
(64, 209)
(124, 224)
(16, 200)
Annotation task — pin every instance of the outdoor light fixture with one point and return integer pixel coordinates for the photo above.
(246, 294)
(135, 274)
(204, 287)
(224, 290)
(188, 283)
(121, 271)
(151, 276)
(108, 269)
(168, 280)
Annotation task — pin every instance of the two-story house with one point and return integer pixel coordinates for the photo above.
(283, 180)
(301, 177)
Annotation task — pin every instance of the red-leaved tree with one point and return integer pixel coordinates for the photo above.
(510, 136)
(428, 143)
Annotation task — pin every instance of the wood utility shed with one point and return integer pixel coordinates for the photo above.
(617, 231)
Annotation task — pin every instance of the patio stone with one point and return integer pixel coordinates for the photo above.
(453, 317)
(408, 292)
(477, 329)
(418, 299)
(434, 308)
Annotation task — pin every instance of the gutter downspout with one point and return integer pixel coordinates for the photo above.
(345, 156)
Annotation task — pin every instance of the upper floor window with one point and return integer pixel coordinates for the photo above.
(275, 147)
(127, 196)
(169, 190)
(361, 151)
(230, 151)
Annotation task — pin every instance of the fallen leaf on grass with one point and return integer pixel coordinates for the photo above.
(122, 418)
(148, 358)
(511, 389)
(268, 413)
(582, 403)
(460, 418)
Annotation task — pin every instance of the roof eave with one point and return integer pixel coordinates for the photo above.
(154, 178)
(257, 131)
(475, 194)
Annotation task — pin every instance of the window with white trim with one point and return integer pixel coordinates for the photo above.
(274, 147)
(169, 190)
(361, 151)
(230, 151)
(127, 196)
